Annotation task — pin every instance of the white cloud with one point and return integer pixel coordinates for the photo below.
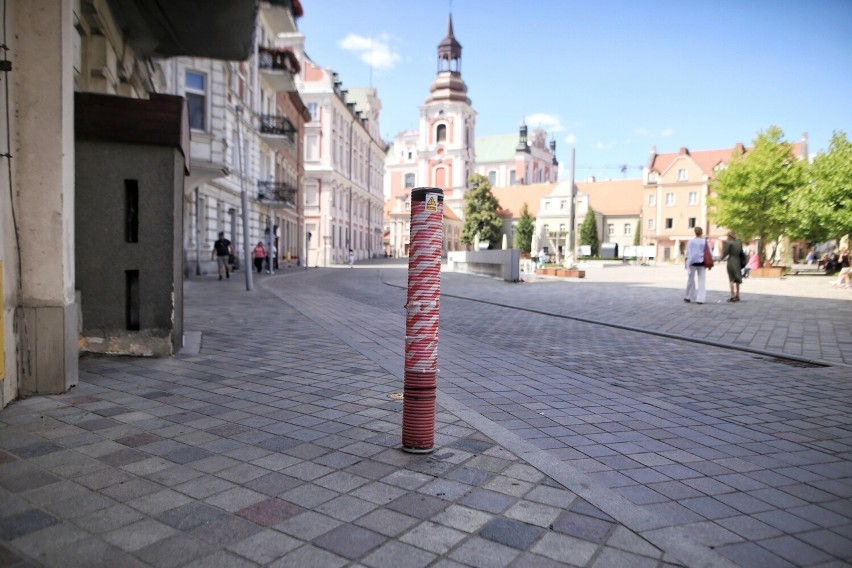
(548, 122)
(376, 52)
(666, 132)
(641, 131)
(570, 139)
(604, 145)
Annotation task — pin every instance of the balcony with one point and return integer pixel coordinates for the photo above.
(281, 15)
(278, 132)
(277, 67)
(276, 194)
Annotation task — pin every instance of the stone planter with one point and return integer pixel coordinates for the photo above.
(767, 272)
(547, 271)
(571, 273)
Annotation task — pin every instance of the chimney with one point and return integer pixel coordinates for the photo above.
(683, 151)
(739, 148)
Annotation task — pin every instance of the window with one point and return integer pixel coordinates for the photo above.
(409, 155)
(513, 178)
(196, 100)
(562, 227)
(652, 177)
(691, 222)
(628, 229)
(693, 198)
(669, 223)
(492, 178)
(610, 229)
(546, 229)
(562, 204)
(650, 224)
(670, 199)
(546, 205)
(441, 133)
(652, 200)
(314, 110)
(681, 174)
(409, 180)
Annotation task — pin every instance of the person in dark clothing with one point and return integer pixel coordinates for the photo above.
(222, 251)
(733, 251)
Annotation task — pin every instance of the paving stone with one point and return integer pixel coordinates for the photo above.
(398, 555)
(417, 505)
(191, 515)
(488, 501)
(378, 493)
(109, 518)
(310, 557)
(385, 522)
(225, 530)
(614, 558)
(308, 495)
(349, 541)
(174, 551)
(567, 549)
(21, 524)
(221, 559)
(265, 546)
(750, 554)
(139, 534)
(309, 525)
(270, 512)
(533, 513)
(483, 554)
(624, 539)
(204, 487)
(346, 508)
(583, 526)
(511, 533)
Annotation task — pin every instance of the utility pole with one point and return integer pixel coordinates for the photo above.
(244, 201)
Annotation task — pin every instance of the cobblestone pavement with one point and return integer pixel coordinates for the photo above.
(559, 442)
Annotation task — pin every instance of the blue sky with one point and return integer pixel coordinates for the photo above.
(610, 78)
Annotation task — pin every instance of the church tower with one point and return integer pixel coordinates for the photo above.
(447, 127)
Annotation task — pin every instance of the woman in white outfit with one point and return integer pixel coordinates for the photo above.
(694, 259)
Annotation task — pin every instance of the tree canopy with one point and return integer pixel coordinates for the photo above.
(480, 212)
(754, 194)
(524, 230)
(823, 206)
(589, 232)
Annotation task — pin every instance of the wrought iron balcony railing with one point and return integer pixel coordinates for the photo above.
(277, 126)
(278, 60)
(278, 192)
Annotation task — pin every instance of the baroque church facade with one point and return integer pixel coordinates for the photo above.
(443, 152)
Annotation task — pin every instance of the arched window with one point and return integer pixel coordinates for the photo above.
(441, 133)
(409, 180)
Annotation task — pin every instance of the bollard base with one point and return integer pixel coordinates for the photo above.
(418, 450)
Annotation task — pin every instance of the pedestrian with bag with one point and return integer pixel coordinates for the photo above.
(697, 260)
(734, 253)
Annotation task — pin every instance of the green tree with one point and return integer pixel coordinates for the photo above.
(589, 232)
(524, 230)
(480, 212)
(824, 204)
(637, 238)
(753, 195)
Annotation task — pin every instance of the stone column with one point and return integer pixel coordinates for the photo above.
(43, 147)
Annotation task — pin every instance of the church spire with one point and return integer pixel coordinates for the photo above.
(449, 51)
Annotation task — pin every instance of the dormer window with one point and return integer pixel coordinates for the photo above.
(681, 174)
(652, 177)
(441, 133)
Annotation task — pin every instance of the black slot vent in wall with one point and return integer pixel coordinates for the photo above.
(132, 299)
(131, 211)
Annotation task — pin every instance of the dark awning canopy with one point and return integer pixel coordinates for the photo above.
(212, 29)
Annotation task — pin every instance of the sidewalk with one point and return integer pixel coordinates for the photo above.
(280, 448)
(276, 449)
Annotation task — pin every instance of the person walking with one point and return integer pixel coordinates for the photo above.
(694, 264)
(259, 255)
(733, 251)
(351, 258)
(222, 251)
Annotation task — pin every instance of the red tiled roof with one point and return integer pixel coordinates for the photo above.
(707, 159)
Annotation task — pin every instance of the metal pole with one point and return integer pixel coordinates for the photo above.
(571, 229)
(244, 202)
(197, 233)
(270, 242)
